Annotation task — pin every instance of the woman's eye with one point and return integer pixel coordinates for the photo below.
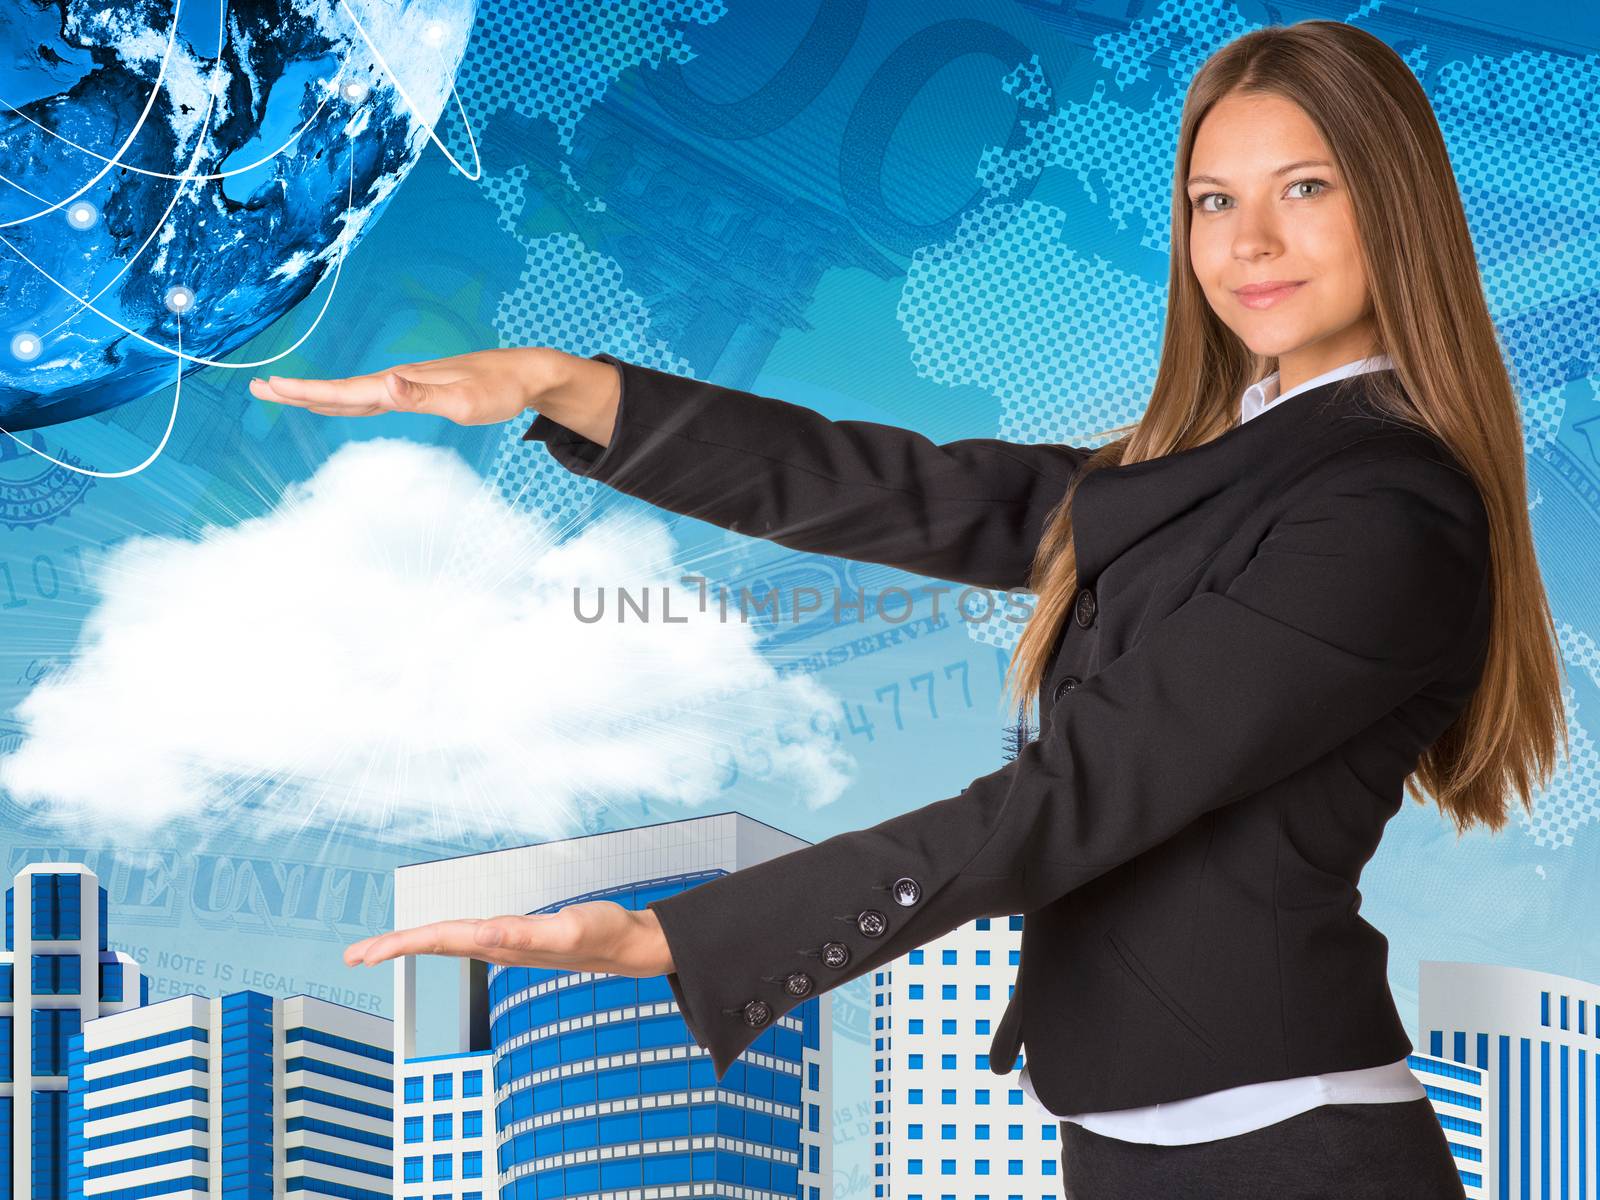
(1199, 202)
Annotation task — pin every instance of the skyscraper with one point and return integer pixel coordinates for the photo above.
(1527, 1042)
(594, 1081)
(246, 1096)
(56, 935)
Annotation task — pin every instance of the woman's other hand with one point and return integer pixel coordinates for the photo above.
(597, 935)
(482, 387)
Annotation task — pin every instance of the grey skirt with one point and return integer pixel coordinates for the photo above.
(1389, 1151)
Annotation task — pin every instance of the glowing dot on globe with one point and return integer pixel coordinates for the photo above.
(355, 91)
(26, 346)
(433, 33)
(82, 215)
(180, 299)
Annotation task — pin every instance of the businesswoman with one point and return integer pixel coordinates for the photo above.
(1302, 586)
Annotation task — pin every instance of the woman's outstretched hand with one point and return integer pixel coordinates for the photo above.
(482, 387)
(597, 935)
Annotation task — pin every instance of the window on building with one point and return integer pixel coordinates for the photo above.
(414, 1170)
(442, 1089)
(472, 1083)
(111, 981)
(472, 1123)
(56, 975)
(472, 1164)
(413, 1089)
(441, 1167)
(413, 1129)
(441, 1126)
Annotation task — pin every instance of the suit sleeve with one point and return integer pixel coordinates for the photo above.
(1363, 592)
(971, 511)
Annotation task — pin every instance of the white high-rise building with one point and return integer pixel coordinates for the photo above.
(592, 1083)
(943, 1123)
(1530, 1040)
(246, 1095)
(1465, 1104)
(56, 976)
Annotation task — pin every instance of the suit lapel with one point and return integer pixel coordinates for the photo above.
(1117, 507)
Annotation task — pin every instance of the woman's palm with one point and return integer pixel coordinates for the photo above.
(482, 387)
(597, 935)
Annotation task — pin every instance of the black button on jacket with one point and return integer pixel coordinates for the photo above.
(1270, 629)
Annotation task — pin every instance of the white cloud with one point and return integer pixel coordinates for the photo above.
(395, 648)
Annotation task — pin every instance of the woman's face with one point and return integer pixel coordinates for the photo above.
(1269, 206)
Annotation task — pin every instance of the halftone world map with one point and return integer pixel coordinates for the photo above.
(952, 217)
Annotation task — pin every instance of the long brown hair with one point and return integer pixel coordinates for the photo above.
(1431, 319)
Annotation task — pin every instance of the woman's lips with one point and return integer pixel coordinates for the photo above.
(1268, 298)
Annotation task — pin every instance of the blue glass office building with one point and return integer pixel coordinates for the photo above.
(56, 975)
(598, 1087)
(1515, 1053)
(246, 1096)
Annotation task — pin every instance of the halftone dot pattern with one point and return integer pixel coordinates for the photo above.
(1181, 34)
(1573, 798)
(556, 60)
(509, 192)
(1027, 84)
(1537, 237)
(1130, 149)
(573, 298)
(1007, 306)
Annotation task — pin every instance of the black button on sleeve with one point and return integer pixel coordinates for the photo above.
(757, 1013)
(1066, 685)
(872, 923)
(1083, 609)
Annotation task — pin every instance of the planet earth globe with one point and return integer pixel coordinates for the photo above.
(184, 172)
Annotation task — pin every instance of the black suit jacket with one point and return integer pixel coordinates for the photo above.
(1270, 628)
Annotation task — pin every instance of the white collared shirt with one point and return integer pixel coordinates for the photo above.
(1250, 1106)
(1259, 396)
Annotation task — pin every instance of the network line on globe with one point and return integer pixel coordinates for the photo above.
(28, 345)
